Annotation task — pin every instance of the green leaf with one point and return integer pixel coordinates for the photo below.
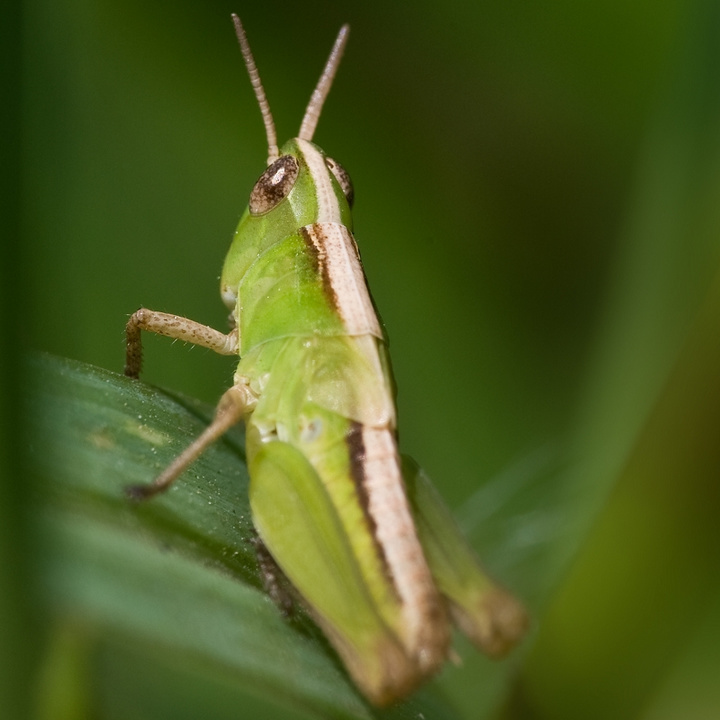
(171, 585)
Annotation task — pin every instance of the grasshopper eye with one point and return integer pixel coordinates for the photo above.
(344, 181)
(274, 185)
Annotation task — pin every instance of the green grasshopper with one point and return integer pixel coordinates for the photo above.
(358, 530)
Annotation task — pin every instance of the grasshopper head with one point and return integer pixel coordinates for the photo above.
(300, 186)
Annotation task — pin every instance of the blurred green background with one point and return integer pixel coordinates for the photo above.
(538, 211)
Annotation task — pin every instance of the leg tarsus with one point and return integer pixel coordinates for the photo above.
(133, 345)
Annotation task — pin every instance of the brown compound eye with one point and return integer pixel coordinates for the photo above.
(343, 178)
(274, 185)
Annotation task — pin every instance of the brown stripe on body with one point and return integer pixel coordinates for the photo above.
(375, 469)
(333, 248)
(356, 453)
(319, 256)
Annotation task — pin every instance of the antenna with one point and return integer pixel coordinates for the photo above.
(312, 114)
(260, 91)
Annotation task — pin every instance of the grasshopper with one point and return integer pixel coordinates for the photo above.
(357, 529)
